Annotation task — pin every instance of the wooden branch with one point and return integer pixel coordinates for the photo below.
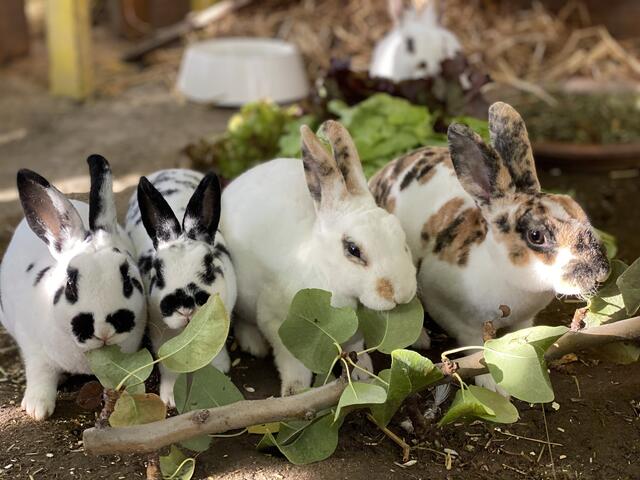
(153, 436)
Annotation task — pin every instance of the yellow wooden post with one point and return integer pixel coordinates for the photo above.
(69, 46)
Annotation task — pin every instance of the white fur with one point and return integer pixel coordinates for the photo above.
(183, 263)
(280, 244)
(42, 330)
(432, 44)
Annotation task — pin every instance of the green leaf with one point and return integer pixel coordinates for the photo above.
(609, 241)
(137, 409)
(200, 341)
(313, 328)
(205, 388)
(516, 362)
(608, 304)
(474, 402)
(176, 465)
(629, 285)
(200, 443)
(359, 395)
(111, 366)
(409, 372)
(313, 442)
(208, 388)
(622, 353)
(391, 329)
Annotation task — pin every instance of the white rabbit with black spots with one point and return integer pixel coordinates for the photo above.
(182, 263)
(415, 47)
(294, 224)
(484, 234)
(68, 283)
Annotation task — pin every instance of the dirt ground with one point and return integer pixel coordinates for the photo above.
(595, 431)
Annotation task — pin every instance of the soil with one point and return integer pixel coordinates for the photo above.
(595, 428)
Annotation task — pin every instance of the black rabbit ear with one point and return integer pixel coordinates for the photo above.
(102, 205)
(202, 215)
(51, 216)
(159, 220)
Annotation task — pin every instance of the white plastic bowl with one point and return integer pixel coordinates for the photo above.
(233, 71)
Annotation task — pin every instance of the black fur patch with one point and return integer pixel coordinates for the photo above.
(152, 284)
(176, 300)
(221, 250)
(145, 264)
(58, 294)
(158, 265)
(41, 274)
(30, 267)
(208, 275)
(98, 171)
(71, 290)
(448, 234)
(127, 285)
(82, 326)
(502, 222)
(123, 320)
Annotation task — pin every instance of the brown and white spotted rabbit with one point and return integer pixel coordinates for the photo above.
(482, 232)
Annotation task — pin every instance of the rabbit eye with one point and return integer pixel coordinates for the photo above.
(353, 250)
(536, 237)
(411, 46)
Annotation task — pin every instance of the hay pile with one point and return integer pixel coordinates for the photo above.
(522, 48)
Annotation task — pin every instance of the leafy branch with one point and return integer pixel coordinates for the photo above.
(152, 436)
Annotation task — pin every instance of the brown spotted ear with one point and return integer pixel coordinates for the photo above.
(324, 180)
(510, 139)
(346, 157)
(479, 168)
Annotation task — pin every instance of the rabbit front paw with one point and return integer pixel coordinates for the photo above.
(39, 402)
(222, 361)
(166, 392)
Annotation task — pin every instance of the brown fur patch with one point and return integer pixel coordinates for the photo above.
(385, 289)
(570, 206)
(454, 231)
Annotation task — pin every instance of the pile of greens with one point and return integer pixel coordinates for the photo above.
(383, 127)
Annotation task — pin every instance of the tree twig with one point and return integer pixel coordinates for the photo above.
(153, 436)
(406, 449)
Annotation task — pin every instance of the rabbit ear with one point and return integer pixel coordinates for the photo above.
(346, 157)
(102, 205)
(202, 215)
(51, 216)
(158, 219)
(396, 10)
(324, 180)
(510, 138)
(479, 168)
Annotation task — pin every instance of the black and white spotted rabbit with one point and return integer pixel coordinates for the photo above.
(68, 283)
(182, 262)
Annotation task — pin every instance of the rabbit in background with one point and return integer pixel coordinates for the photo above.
(415, 47)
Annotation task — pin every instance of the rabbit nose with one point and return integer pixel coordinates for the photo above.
(186, 312)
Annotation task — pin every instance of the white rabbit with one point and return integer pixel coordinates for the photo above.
(294, 224)
(415, 47)
(483, 233)
(182, 263)
(66, 289)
